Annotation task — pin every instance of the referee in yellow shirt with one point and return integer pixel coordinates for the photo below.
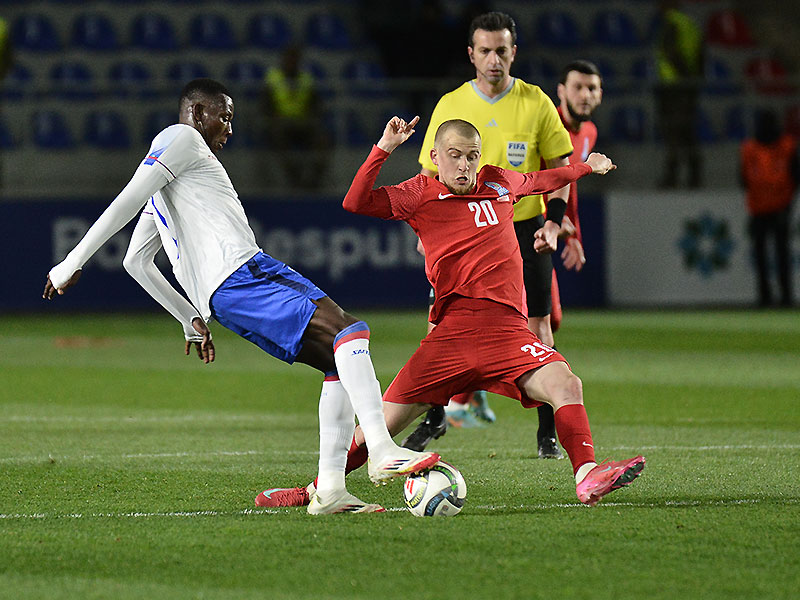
(519, 126)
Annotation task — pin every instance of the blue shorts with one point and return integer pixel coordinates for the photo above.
(268, 303)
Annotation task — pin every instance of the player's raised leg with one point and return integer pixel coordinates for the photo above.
(555, 384)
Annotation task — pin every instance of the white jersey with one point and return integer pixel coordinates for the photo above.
(202, 224)
(198, 214)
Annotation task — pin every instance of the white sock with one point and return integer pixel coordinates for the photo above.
(583, 470)
(353, 362)
(336, 427)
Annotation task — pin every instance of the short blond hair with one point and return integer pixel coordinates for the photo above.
(461, 127)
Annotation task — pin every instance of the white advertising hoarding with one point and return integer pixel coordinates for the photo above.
(681, 248)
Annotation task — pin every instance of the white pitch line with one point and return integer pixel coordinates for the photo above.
(516, 508)
(276, 452)
(87, 457)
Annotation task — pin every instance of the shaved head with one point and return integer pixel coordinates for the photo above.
(460, 127)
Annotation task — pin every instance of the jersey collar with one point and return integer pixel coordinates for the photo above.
(499, 96)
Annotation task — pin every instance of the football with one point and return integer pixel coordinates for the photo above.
(437, 492)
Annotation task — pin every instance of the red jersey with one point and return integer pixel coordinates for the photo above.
(767, 174)
(470, 245)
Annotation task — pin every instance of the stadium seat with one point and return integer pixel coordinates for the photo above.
(769, 76)
(269, 31)
(130, 78)
(736, 128)
(50, 131)
(72, 80)
(628, 124)
(156, 121)
(364, 77)
(17, 84)
(35, 32)
(246, 76)
(719, 77)
(558, 29)
(212, 32)
(94, 31)
(728, 28)
(7, 141)
(355, 133)
(643, 70)
(609, 72)
(107, 129)
(327, 31)
(183, 72)
(616, 29)
(537, 70)
(704, 128)
(152, 31)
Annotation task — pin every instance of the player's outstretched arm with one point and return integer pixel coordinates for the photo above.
(361, 198)
(395, 133)
(144, 183)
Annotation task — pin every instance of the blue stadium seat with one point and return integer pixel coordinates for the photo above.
(107, 129)
(130, 79)
(327, 31)
(558, 29)
(616, 29)
(157, 121)
(72, 80)
(212, 32)
(94, 31)
(719, 77)
(152, 31)
(18, 82)
(538, 71)
(364, 77)
(246, 76)
(643, 70)
(610, 74)
(355, 132)
(7, 141)
(736, 123)
(704, 128)
(184, 72)
(269, 31)
(50, 131)
(35, 32)
(628, 124)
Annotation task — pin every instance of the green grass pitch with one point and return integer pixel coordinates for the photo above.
(129, 470)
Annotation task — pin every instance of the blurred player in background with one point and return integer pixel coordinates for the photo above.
(464, 218)
(770, 173)
(580, 91)
(680, 61)
(193, 211)
(520, 127)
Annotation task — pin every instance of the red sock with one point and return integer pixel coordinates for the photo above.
(461, 398)
(572, 426)
(356, 456)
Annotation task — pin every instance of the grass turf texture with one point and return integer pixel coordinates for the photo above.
(129, 470)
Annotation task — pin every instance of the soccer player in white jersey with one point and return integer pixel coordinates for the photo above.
(192, 209)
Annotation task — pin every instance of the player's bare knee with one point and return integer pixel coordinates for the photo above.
(573, 389)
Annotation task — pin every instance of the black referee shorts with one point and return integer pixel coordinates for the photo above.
(537, 269)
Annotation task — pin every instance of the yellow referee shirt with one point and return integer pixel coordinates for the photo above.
(518, 128)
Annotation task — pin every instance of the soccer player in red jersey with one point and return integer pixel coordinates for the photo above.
(580, 91)
(481, 340)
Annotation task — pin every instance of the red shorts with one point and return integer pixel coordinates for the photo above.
(478, 345)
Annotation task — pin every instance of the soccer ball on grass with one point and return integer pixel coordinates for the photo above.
(437, 492)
